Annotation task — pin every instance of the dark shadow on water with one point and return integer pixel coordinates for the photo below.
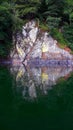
(36, 99)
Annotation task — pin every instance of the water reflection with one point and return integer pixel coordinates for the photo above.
(33, 82)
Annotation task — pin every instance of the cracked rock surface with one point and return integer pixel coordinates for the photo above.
(32, 43)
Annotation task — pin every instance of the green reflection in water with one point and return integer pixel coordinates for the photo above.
(53, 111)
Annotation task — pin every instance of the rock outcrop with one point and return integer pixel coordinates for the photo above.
(35, 44)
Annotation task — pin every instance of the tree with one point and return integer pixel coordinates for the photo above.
(69, 10)
(27, 8)
(51, 11)
(10, 23)
(5, 30)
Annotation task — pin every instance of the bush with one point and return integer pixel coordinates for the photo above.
(5, 31)
(53, 22)
(59, 37)
(68, 34)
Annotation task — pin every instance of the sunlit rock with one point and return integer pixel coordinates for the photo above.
(33, 32)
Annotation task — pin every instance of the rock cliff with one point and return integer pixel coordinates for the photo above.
(36, 44)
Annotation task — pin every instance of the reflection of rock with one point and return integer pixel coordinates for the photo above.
(34, 43)
(32, 89)
(37, 81)
(49, 63)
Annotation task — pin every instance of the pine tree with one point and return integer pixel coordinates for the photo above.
(27, 8)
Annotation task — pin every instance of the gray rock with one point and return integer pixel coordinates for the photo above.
(28, 44)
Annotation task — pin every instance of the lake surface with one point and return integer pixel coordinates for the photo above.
(36, 98)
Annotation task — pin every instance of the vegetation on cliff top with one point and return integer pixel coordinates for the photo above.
(55, 16)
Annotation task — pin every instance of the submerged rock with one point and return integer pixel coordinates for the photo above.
(33, 44)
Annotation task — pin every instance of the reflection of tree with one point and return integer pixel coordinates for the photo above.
(32, 82)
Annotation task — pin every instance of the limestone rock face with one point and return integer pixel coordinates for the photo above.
(33, 43)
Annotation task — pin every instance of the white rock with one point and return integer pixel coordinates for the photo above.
(24, 33)
(33, 34)
(33, 41)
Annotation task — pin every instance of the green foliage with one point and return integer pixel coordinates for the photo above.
(9, 23)
(68, 34)
(69, 9)
(59, 37)
(5, 30)
(53, 22)
(17, 22)
(50, 13)
(51, 8)
(27, 8)
(43, 26)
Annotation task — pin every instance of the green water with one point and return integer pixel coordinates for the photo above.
(53, 111)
